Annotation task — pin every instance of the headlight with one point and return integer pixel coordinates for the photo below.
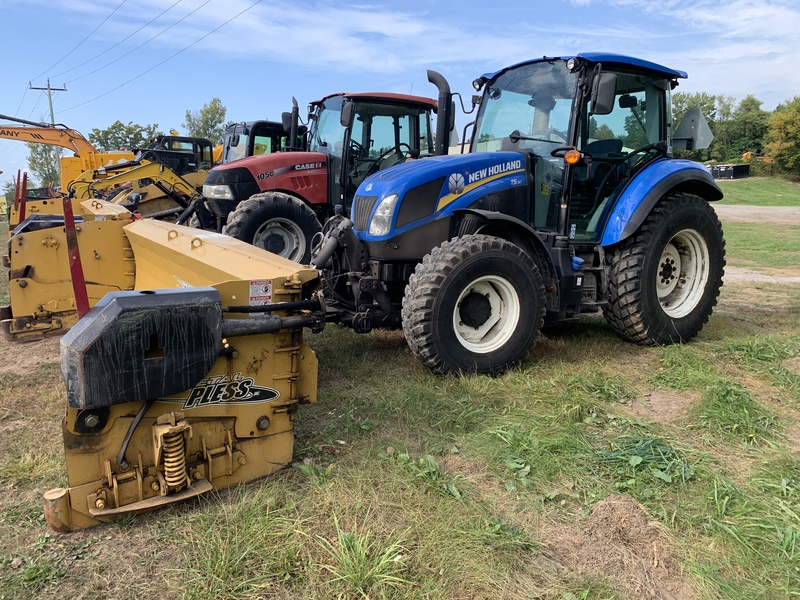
(218, 192)
(382, 219)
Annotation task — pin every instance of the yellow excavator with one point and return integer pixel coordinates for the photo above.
(86, 156)
(187, 378)
(188, 157)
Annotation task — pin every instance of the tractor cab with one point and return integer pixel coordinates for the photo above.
(278, 201)
(362, 134)
(588, 127)
(253, 138)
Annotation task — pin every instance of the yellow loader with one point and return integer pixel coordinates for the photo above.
(41, 295)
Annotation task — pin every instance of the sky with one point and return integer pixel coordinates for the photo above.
(149, 61)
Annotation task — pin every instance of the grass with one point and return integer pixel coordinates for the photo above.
(407, 485)
(762, 246)
(760, 191)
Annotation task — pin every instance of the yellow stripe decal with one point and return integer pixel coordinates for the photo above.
(445, 200)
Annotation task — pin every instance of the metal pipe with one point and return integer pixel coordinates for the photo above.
(445, 116)
(315, 304)
(266, 324)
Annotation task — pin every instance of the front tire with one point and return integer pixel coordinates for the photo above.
(277, 223)
(474, 305)
(665, 279)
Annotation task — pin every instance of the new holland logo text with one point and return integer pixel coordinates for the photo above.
(236, 390)
(511, 165)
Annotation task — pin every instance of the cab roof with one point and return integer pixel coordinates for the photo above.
(428, 103)
(606, 58)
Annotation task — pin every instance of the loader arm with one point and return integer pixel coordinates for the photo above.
(166, 179)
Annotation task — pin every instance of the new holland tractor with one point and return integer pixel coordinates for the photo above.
(277, 201)
(569, 201)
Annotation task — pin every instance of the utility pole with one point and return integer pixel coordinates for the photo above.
(53, 150)
(49, 91)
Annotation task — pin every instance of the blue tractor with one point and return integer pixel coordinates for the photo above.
(569, 201)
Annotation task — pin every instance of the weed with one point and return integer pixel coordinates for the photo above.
(317, 473)
(361, 564)
(427, 471)
(32, 574)
(505, 538)
(642, 465)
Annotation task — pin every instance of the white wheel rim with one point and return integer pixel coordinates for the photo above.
(503, 318)
(283, 236)
(683, 271)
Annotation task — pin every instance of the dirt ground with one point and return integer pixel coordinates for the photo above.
(758, 214)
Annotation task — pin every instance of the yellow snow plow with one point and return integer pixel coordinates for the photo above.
(188, 376)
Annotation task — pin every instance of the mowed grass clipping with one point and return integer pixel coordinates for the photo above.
(597, 469)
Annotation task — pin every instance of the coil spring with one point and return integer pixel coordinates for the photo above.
(174, 448)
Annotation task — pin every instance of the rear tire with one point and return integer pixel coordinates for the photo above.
(474, 305)
(665, 279)
(277, 223)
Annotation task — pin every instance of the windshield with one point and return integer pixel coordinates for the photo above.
(240, 149)
(530, 101)
(327, 128)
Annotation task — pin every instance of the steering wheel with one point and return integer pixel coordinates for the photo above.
(546, 133)
(360, 151)
(612, 164)
(397, 150)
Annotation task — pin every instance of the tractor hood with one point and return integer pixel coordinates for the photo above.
(434, 187)
(268, 165)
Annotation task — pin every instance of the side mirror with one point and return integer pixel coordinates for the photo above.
(286, 121)
(234, 140)
(604, 90)
(346, 117)
(693, 133)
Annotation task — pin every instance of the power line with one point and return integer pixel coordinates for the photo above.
(113, 62)
(165, 60)
(83, 40)
(110, 48)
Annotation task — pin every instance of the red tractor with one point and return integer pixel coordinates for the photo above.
(277, 201)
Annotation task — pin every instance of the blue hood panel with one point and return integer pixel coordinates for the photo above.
(466, 179)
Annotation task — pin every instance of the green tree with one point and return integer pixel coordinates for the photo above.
(783, 137)
(603, 132)
(635, 134)
(208, 122)
(119, 136)
(44, 163)
(749, 127)
(722, 128)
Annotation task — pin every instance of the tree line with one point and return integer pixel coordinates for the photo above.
(745, 127)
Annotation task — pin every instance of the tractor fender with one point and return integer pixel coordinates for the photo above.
(514, 230)
(651, 184)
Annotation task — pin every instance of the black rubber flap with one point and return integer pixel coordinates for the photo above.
(141, 345)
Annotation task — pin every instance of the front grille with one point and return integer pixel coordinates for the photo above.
(362, 209)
